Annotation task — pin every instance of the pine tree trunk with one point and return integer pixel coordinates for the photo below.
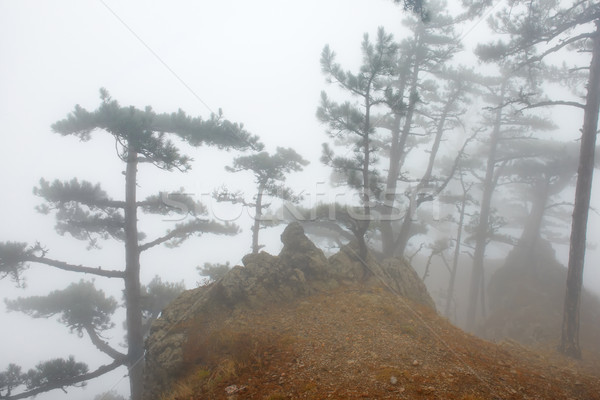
(569, 342)
(483, 226)
(387, 232)
(397, 155)
(363, 225)
(135, 337)
(393, 249)
(530, 237)
(257, 217)
(451, 283)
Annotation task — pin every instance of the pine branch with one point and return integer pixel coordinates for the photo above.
(103, 203)
(183, 231)
(86, 193)
(171, 235)
(67, 382)
(523, 99)
(553, 103)
(554, 49)
(75, 268)
(102, 345)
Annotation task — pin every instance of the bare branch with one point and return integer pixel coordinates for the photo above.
(560, 204)
(102, 345)
(455, 166)
(410, 258)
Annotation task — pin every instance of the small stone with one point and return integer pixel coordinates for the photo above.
(393, 380)
(232, 389)
(416, 363)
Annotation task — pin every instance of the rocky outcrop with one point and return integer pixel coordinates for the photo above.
(301, 269)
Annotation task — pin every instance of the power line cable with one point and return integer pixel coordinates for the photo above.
(156, 56)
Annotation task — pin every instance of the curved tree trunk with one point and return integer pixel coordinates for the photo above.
(569, 341)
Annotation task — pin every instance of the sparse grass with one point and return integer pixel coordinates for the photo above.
(389, 310)
(213, 348)
(219, 357)
(409, 330)
(182, 390)
(201, 374)
(187, 387)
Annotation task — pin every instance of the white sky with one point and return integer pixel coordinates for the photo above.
(257, 60)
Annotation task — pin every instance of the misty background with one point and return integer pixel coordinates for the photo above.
(257, 61)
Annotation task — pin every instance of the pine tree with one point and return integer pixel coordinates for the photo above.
(533, 31)
(88, 213)
(417, 69)
(507, 128)
(445, 111)
(270, 173)
(351, 125)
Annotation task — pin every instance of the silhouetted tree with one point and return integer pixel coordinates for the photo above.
(535, 30)
(351, 124)
(507, 128)
(461, 202)
(420, 60)
(445, 113)
(270, 173)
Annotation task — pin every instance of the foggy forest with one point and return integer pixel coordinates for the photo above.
(455, 141)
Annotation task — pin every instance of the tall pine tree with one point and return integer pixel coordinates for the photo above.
(87, 212)
(533, 31)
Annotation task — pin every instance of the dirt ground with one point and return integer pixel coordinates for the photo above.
(367, 343)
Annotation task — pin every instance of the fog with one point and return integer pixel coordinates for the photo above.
(257, 61)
